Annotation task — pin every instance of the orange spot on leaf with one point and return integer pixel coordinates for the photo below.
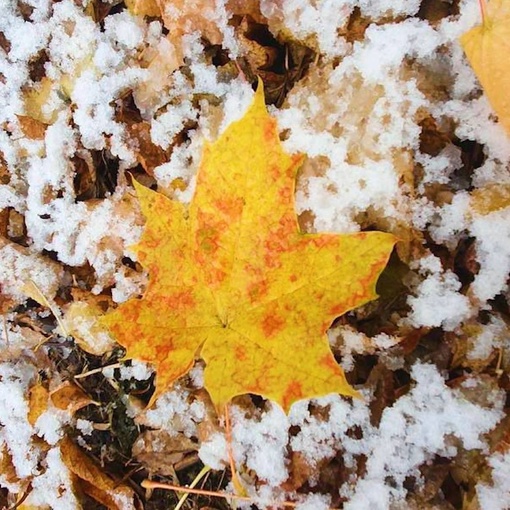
(293, 393)
(272, 324)
(180, 300)
(240, 353)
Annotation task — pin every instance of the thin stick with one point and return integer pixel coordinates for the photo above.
(148, 484)
(6, 331)
(36, 294)
(238, 486)
(192, 485)
(499, 371)
(96, 371)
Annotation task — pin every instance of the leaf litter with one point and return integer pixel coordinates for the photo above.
(398, 136)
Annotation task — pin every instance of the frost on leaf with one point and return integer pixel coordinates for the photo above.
(234, 281)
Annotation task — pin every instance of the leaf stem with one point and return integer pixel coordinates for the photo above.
(483, 10)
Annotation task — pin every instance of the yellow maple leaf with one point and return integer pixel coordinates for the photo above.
(233, 280)
(486, 47)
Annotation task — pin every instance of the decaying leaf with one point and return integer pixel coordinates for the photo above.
(39, 98)
(69, 397)
(32, 128)
(7, 469)
(160, 63)
(234, 280)
(93, 481)
(148, 154)
(159, 451)
(181, 17)
(486, 47)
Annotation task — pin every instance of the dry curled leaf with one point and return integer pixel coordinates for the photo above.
(233, 279)
(32, 128)
(69, 397)
(148, 154)
(92, 480)
(159, 451)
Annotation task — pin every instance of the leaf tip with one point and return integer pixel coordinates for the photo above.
(259, 97)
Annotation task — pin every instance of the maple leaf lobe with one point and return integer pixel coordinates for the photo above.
(232, 278)
(486, 47)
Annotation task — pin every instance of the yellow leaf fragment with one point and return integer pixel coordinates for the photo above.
(80, 321)
(143, 7)
(7, 469)
(233, 279)
(487, 47)
(490, 198)
(37, 402)
(36, 99)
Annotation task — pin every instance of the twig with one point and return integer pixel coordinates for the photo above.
(238, 486)
(148, 484)
(38, 296)
(96, 371)
(6, 331)
(192, 485)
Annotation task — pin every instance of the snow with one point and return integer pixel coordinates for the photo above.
(49, 426)
(314, 502)
(493, 253)
(84, 426)
(384, 48)
(16, 433)
(437, 300)
(213, 451)
(174, 413)
(26, 266)
(319, 19)
(496, 496)
(420, 425)
(349, 342)
(414, 429)
(494, 334)
(54, 486)
(138, 370)
(261, 445)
